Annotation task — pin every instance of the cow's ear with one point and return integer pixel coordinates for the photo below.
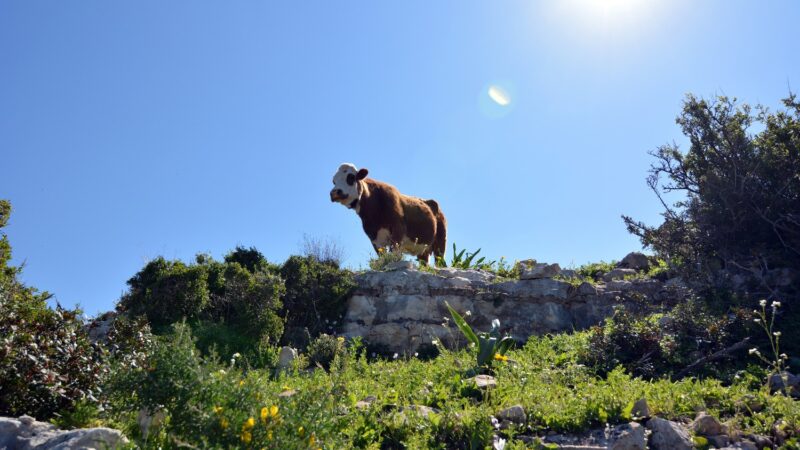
(362, 173)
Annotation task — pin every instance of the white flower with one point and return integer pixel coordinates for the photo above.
(754, 351)
(468, 313)
(763, 302)
(756, 320)
(777, 334)
(783, 356)
(776, 305)
(416, 354)
(237, 355)
(395, 356)
(435, 341)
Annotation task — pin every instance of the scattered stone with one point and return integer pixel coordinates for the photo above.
(706, 425)
(719, 441)
(535, 271)
(618, 274)
(668, 435)
(741, 445)
(483, 381)
(640, 409)
(778, 382)
(287, 393)
(760, 441)
(26, 433)
(286, 358)
(399, 265)
(421, 410)
(366, 402)
(628, 436)
(635, 260)
(515, 414)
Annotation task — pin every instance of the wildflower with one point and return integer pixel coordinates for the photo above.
(435, 341)
(249, 424)
(273, 411)
(269, 435)
(223, 423)
(241, 383)
(237, 355)
(757, 320)
(264, 414)
(246, 437)
(340, 339)
(381, 250)
(301, 431)
(776, 305)
(312, 440)
(777, 334)
(754, 351)
(395, 356)
(221, 372)
(783, 356)
(416, 354)
(468, 313)
(763, 302)
(218, 409)
(500, 357)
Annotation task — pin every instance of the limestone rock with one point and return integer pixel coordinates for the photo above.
(618, 274)
(640, 409)
(27, 433)
(629, 436)
(515, 414)
(668, 435)
(779, 382)
(706, 425)
(586, 288)
(286, 357)
(635, 260)
(536, 271)
(483, 381)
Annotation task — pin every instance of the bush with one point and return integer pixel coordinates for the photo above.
(46, 361)
(166, 292)
(324, 349)
(316, 294)
(660, 345)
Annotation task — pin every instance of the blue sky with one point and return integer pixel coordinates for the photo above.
(130, 130)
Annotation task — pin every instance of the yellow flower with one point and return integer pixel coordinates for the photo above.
(249, 424)
(500, 357)
(218, 409)
(269, 435)
(301, 431)
(246, 437)
(381, 250)
(312, 440)
(223, 423)
(273, 411)
(340, 339)
(264, 414)
(241, 383)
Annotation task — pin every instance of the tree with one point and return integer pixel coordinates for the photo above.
(740, 191)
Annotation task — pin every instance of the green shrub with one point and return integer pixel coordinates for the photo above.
(166, 292)
(385, 257)
(249, 258)
(595, 271)
(324, 349)
(316, 294)
(660, 345)
(47, 364)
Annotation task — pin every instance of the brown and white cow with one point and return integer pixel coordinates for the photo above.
(389, 218)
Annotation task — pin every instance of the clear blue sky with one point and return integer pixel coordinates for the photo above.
(130, 130)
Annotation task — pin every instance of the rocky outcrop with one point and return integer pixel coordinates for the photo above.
(403, 310)
(26, 433)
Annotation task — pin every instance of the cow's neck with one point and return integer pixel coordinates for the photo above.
(362, 199)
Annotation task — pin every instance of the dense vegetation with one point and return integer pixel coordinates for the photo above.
(194, 346)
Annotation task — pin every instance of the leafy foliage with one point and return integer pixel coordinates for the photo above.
(46, 361)
(739, 194)
(324, 349)
(466, 260)
(316, 294)
(489, 346)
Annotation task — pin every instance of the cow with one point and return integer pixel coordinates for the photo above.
(391, 219)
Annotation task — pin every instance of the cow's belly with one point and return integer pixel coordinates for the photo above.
(383, 238)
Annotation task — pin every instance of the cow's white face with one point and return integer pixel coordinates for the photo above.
(346, 189)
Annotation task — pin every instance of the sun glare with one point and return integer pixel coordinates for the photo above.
(499, 96)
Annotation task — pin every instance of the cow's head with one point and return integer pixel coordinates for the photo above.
(346, 187)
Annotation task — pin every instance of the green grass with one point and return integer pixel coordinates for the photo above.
(557, 393)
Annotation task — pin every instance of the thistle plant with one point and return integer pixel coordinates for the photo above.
(777, 363)
(490, 346)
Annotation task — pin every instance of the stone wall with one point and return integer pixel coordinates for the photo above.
(404, 309)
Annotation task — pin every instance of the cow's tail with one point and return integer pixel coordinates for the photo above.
(440, 240)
